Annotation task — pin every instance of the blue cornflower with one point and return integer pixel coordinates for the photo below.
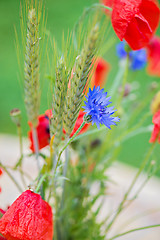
(96, 108)
(138, 58)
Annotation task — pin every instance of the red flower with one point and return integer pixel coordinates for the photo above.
(101, 70)
(28, 218)
(2, 238)
(43, 129)
(99, 74)
(78, 123)
(156, 130)
(135, 21)
(42, 132)
(154, 56)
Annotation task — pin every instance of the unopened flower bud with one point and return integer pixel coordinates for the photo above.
(127, 90)
(95, 143)
(16, 116)
(87, 118)
(127, 48)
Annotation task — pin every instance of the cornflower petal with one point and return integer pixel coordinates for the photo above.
(138, 58)
(96, 106)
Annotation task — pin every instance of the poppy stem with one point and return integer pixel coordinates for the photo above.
(20, 144)
(101, 6)
(40, 182)
(67, 144)
(124, 81)
(11, 177)
(19, 163)
(134, 230)
(36, 146)
(64, 175)
(117, 80)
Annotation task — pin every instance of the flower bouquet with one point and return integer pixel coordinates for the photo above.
(80, 134)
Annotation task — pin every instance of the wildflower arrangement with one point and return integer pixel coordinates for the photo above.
(78, 137)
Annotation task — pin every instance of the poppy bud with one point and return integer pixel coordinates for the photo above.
(16, 116)
(135, 21)
(28, 218)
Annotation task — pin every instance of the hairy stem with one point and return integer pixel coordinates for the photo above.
(12, 178)
(134, 230)
(67, 144)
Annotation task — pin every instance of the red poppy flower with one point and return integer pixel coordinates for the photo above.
(99, 74)
(78, 123)
(42, 132)
(154, 57)
(28, 218)
(101, 70)
(43, 129)
(135, 21)
(2, 238)
(156, 130)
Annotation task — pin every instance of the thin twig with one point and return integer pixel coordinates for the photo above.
(134, 230)
(12, 178)
(36, 146)
(67, 144)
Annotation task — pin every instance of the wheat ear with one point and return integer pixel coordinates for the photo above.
(60, 88)
(81, 71)
(31, 69)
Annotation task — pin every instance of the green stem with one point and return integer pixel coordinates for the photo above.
(20, 141)
(117, 80)
(134, 230)
(124, 81)
(85, 13)
(64, 175)
(40, 182)
(36, 146)
(19, 163)
(11, 177)
(67, 144)
(102, 6)
(90, 133)
(120, 208)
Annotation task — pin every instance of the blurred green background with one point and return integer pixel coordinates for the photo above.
(61, 15)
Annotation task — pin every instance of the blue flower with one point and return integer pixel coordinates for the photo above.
(96, 108)
(138, 58)
(120, 48)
